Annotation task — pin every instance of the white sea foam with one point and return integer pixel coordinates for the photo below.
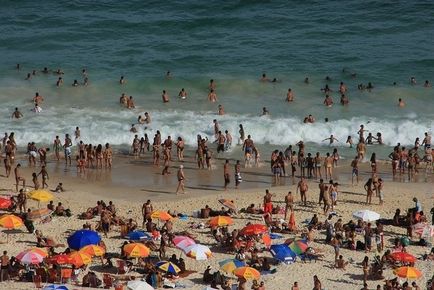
(101, 126)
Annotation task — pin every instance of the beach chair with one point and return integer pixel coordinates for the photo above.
(107, 280)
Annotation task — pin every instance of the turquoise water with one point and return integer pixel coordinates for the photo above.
(233, 42)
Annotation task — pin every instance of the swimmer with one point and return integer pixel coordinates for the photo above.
(18, 66)
(413, 81)
(369, 86)
(182, 94)
(165, 97)
(75, 83)
(306, 80)
(401, 103)
(85, 81)
(344, 100)
(84, 72)
(168, 75)
(216, 128)
(141, 120)
(147, 118)
(38, 99)
(328, 79)
(342, 88)
(28, 77)
(221, 110)
(59, 82)
(264, 78)
(130, 103)
(379, 138)
(45, 70)
(16, 114)
(328, 101)
(331, 139)
(275, 80)
(212, 96)
(289, 96)
(122, 80)
(427, 84)
(59, 72)
(123, 100)
(310, 119)
(265, 112)
(361, 133)
(212, 85)
(37, 109)
(133, 129)
(77, 133)
(350, 141)
(326, 89)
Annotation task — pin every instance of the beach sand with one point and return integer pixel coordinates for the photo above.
(131, 182)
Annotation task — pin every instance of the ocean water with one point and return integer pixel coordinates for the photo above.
(232, 42)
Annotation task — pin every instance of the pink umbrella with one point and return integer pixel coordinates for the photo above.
(182, 242)
(423, 229)
(29, 257)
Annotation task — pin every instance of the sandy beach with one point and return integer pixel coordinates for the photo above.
(205, 188)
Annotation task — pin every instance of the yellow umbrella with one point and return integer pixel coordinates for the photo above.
(41, 195)
(247, 273)
(136, 250)
(408, 272)
(93, 250)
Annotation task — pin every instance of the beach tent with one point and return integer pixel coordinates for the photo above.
(282, 253)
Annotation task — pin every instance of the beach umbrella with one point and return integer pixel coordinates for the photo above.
(403, 257)
(93, 250)
(229, 265)
(282, 253)
(198, 252)
(138, 235)
(29, 257)
(407, 272)
(183, 242)
(161, 215)
(298, 246)
(41, 251)
(41, 195)
(366, 215)
(79, 259)
(10, 221)
(136, 250)
(254, 229)
(168, 267)
(39, 213)
(424, 230)
(247, 273)
(60, 259)
(228, 203)
(82, 238)
(55, 287)
(220, 221)
(5, 203)
(139, 285)
(266, 239)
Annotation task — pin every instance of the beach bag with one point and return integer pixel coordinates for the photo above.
(29, 226)
(360, 246)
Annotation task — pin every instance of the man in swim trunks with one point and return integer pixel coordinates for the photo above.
(328, 101)
(228, 140)
(289, 203)
(67, 149)
(268, 205)
(57, 147)
(182, 94)
(17, 114)
(427, 140)
(303, 187)
(181, 179)
(355, 170)
(221, 139)
(165, 97)
(147, 210)
(248, 145)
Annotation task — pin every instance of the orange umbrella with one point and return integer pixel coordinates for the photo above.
(403, 257)
(220, 221)
(93, 250)
(254, 229)
(10, 221)
(79, 259)
(247, 273)
(136, 250)
(266, 239)
(407, 272)
(162, 215)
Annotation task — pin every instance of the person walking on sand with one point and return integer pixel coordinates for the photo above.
(355, 170)
(181, 180)
(18, 176)
(289, 203)
(238, 178)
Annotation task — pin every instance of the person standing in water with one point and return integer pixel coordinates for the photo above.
(182, 94)
(17, 114)
(331, 139)
(165, 97)
(212, 96)
(242, 134)
(289, 96)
